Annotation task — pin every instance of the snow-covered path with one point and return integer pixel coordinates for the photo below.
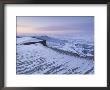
(38, 59)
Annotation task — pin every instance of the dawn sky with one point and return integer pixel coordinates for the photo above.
(54, 24)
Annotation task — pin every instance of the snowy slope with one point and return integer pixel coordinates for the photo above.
(39, 59)
(81, 47)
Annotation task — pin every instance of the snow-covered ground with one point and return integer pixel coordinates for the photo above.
(60, 56)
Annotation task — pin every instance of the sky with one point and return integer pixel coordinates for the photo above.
(55, 24)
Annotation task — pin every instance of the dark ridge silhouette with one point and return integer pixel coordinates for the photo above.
(43, 42)
(18, 36)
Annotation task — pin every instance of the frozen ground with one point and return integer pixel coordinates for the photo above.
(60, 56)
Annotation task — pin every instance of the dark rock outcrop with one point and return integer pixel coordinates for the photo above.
(43, 42)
